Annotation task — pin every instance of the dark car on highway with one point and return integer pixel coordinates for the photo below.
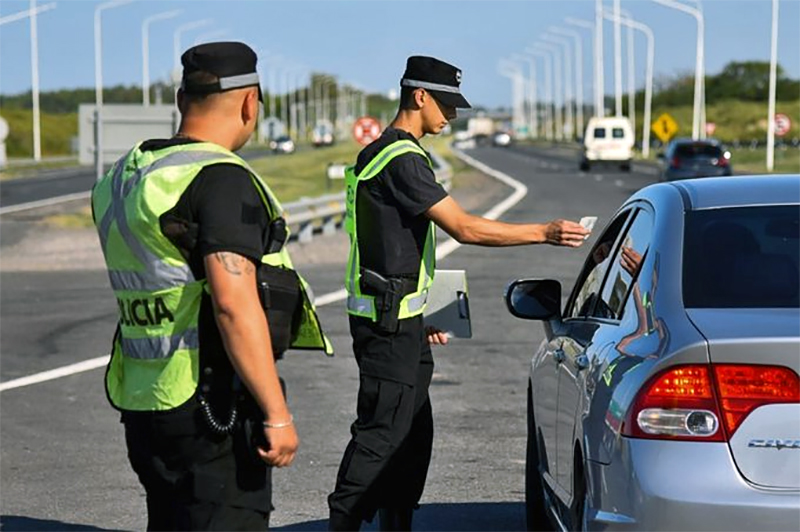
(665, 395)
(687, 158)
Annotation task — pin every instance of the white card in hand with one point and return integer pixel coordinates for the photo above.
(587, 222)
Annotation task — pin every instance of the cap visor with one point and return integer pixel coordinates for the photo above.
(452, 99)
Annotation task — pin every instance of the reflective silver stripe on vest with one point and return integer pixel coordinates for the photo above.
(159, 346)
(361, 305)
(158, 274)
(430, 86)
(417, 303)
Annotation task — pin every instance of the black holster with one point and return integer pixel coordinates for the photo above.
(279, 291)
(388, 293)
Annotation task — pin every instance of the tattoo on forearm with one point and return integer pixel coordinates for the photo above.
(233, 263)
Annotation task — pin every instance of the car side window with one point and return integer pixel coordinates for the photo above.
(599, 132)
(618, 133)
(625, 266)
(587, 288)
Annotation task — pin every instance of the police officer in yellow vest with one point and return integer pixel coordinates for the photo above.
(394, 204)
(208, 299)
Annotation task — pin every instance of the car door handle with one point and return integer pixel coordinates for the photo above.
(582, 362)
(558, 354)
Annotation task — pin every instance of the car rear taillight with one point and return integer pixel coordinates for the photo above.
(722, 161)
(675, 162)
(743, 388)
(692, 402)
(677, 403)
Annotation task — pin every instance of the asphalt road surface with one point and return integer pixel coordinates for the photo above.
(63, 464)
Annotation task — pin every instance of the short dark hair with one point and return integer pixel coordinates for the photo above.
(407, 97)
(199, 77)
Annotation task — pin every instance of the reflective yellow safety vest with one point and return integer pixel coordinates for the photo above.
(155, 358)
(359, 304)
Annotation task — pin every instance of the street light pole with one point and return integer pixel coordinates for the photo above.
(599, 96)
(37, 134)
(176, 43)
(698, 121)
(585, 24)
(532, 121)
(648, 88)
(98, 80)
(578, 74)
(32, 13)
(558, 96)
(773, 68)
(570, 119)
(146, 50)
(548, 83)
(617, 62)
(512, 71)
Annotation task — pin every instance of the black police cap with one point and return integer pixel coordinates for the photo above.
(234, 63)
(437, 77)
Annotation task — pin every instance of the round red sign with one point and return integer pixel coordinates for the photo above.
(366, 129)
(782, 124)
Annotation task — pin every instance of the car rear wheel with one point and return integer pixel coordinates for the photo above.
(577, 510)
(535, 513)
(585, 166)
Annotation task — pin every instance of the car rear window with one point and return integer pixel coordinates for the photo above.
(687, 151)
(599, 132)
(744, 257)
(618, 133)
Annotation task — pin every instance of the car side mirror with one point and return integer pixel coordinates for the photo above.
(534, 299)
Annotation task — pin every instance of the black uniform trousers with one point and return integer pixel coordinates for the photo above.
(194, 478)
(386, 461)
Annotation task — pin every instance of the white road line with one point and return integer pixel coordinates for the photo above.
(442, 250)
(45, 202)
(57, 373)
(619, 182)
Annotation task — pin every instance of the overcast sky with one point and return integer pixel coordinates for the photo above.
(366, 42)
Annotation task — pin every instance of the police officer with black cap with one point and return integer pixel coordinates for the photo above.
(393, 206)
(194, 242)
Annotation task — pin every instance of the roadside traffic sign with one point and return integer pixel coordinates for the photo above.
(782, 124)
(664, 127)
(366, 129)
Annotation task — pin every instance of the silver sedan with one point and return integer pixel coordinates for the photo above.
(666, 395)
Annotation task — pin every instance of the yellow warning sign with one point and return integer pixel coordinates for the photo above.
(664, 127)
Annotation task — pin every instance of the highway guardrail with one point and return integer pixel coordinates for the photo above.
(324, 214)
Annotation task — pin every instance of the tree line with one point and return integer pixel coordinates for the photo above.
(738, 80)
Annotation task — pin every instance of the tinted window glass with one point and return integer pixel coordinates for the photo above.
(618, 133)
(625, 266)
(745, 257)
(599, 132)
(686, 151)
(587, 289)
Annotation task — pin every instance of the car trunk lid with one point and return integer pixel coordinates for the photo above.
(766, 444)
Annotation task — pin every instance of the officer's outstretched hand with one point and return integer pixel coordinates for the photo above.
(436, 337)
(565, 233)
(282, 443)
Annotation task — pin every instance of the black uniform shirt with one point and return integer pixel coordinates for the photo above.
(220, 210)
(391, 206)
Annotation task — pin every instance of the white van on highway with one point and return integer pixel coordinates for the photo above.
(608, 140)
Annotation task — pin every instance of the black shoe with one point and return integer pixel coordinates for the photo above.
(342, 522)
(392, 519)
